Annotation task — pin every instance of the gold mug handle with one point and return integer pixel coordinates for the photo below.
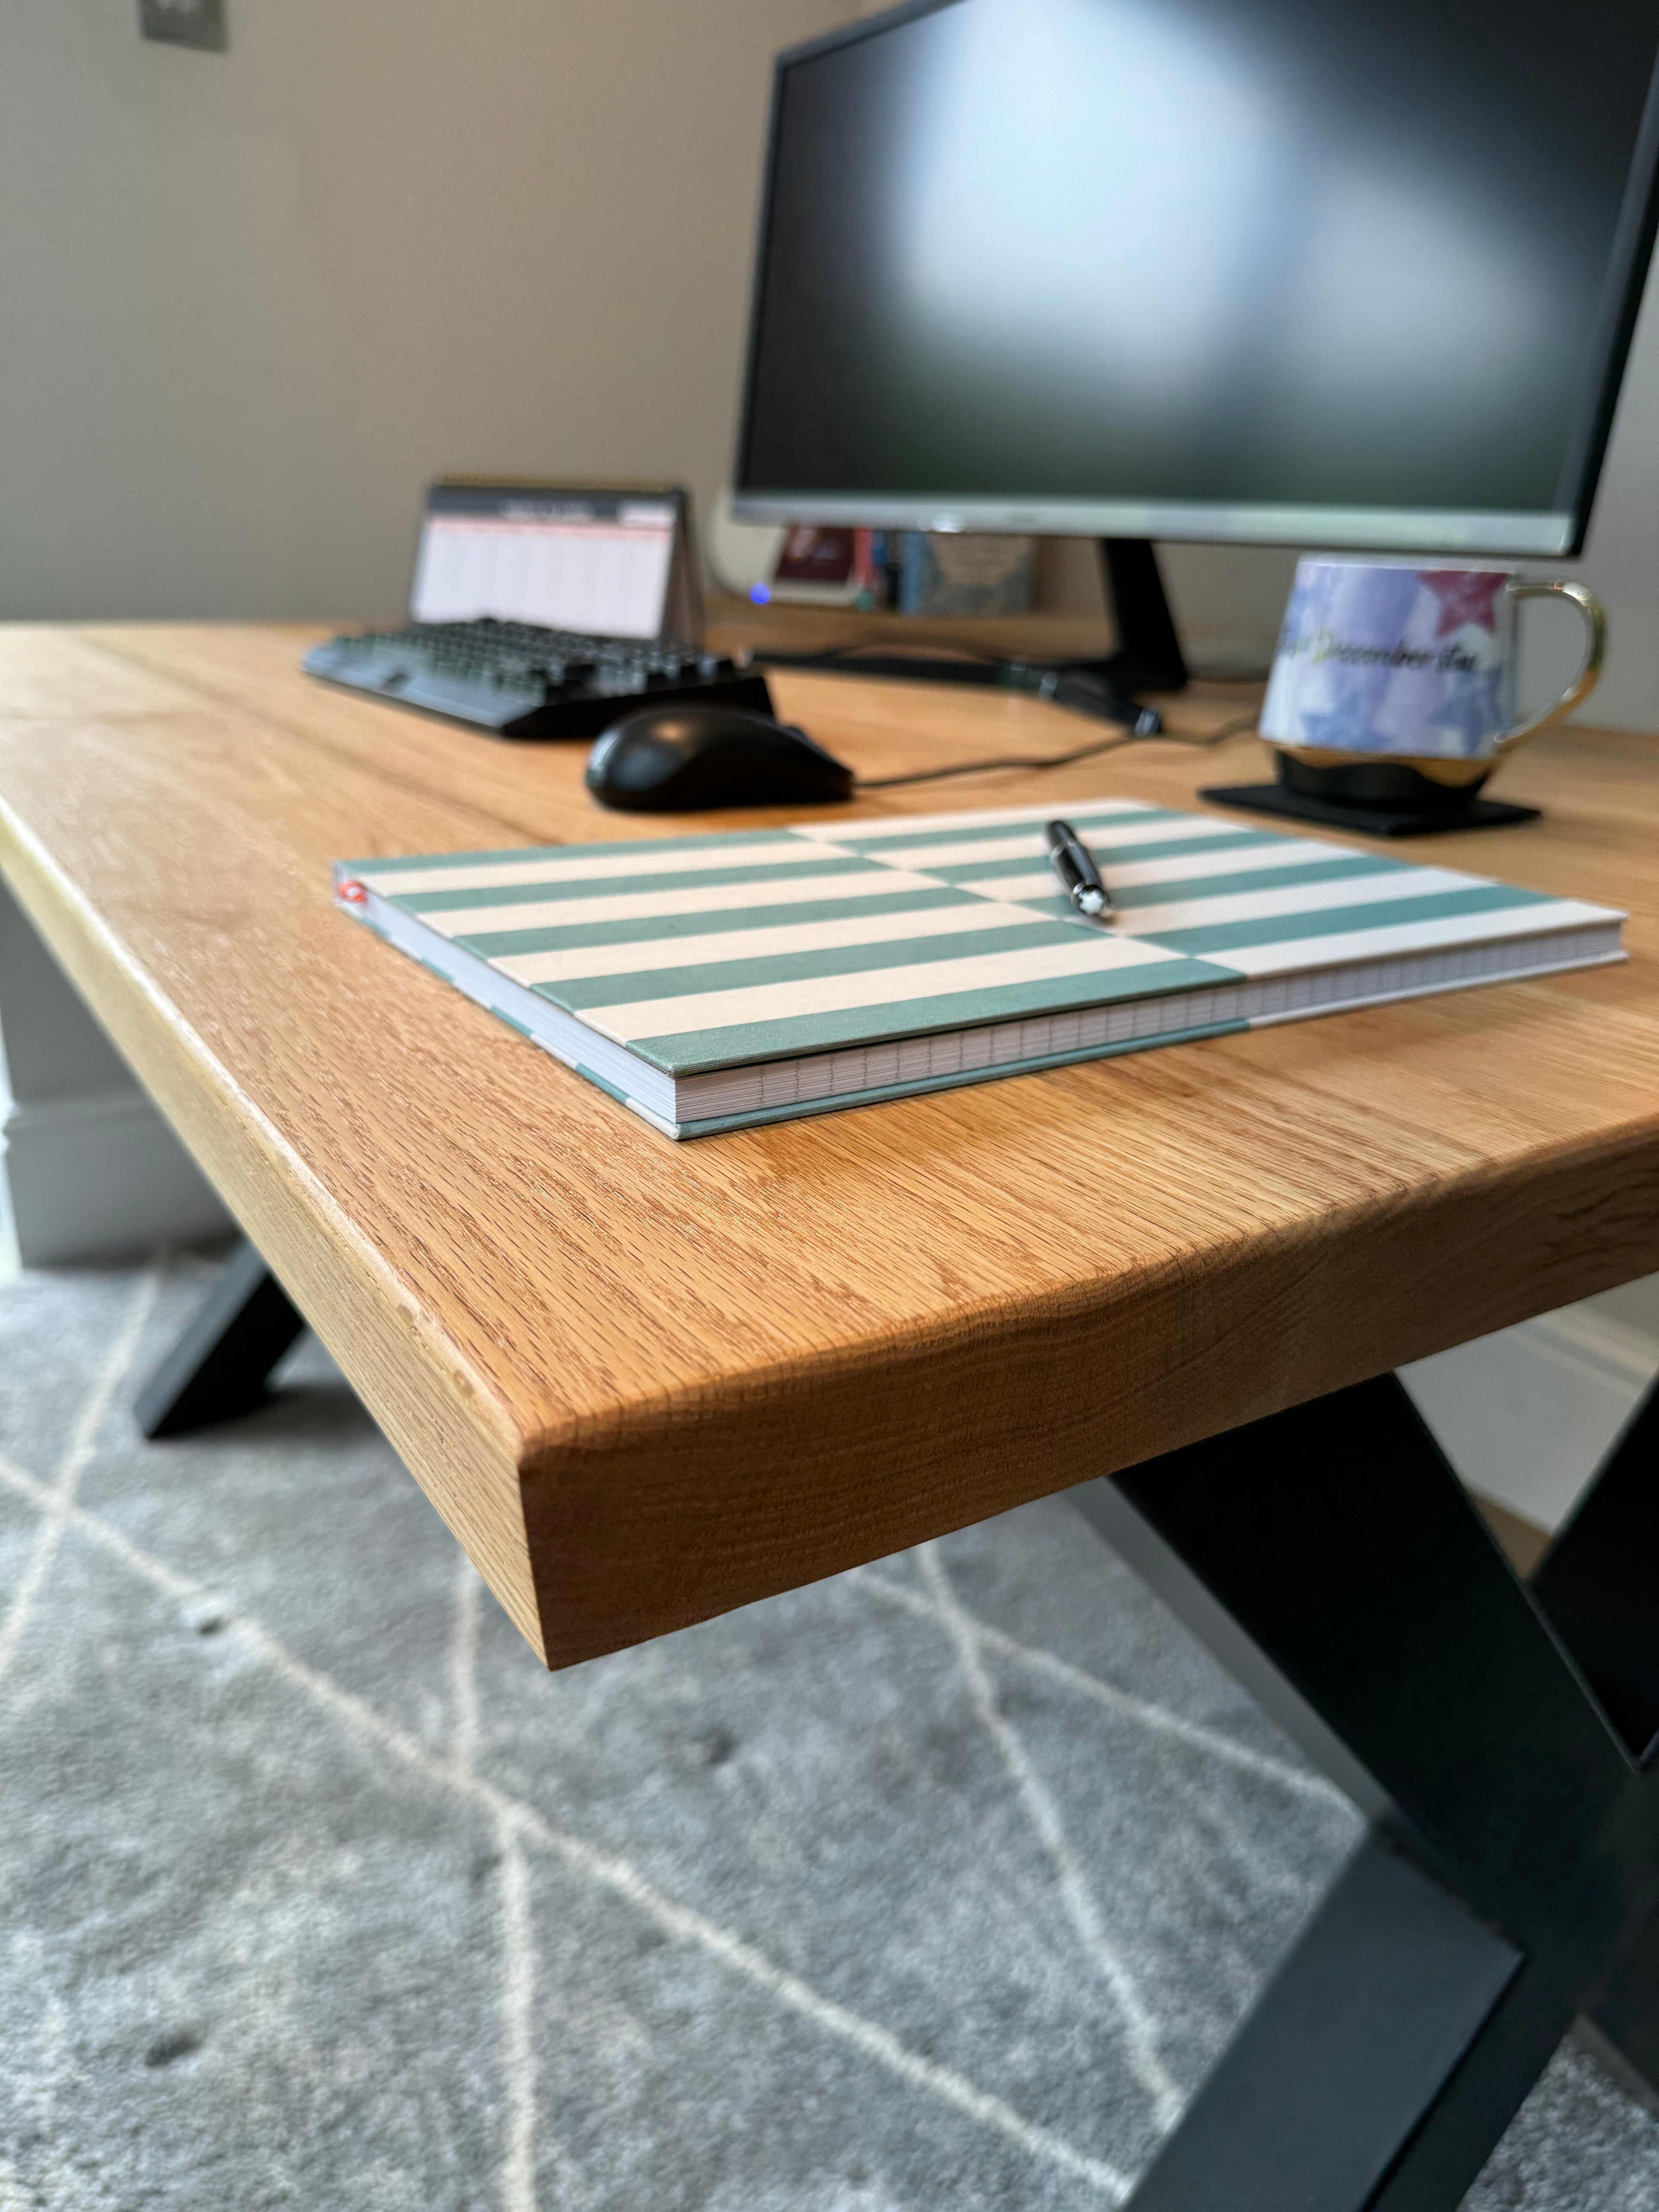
(1589, 669)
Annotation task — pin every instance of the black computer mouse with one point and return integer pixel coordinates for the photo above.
(676, 760)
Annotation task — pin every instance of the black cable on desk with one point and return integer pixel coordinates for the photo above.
(1055, 760)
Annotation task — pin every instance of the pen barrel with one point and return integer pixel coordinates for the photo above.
(1077, 874)
(1069, 866)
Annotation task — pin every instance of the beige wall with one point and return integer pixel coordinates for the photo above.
(250, 302)
(1621, 560)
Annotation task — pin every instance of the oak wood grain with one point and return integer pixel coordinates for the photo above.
(646, 1381)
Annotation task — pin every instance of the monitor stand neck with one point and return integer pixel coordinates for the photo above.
(1148, 656)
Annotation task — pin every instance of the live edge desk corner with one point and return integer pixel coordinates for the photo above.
(644, 1382)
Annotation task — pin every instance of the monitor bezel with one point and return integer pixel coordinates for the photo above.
(1559, 532)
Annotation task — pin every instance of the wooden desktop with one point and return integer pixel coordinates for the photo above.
(857, 1331)
(644, 1382)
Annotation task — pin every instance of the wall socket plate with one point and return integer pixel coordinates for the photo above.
(185, 23)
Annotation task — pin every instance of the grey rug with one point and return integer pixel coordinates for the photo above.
(938, 1886)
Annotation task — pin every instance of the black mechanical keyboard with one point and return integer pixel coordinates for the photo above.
(520, 681)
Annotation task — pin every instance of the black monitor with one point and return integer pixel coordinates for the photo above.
(1314, 272)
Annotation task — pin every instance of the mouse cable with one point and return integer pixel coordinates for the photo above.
(1054, 760)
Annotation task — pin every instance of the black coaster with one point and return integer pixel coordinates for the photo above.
(1373, 821)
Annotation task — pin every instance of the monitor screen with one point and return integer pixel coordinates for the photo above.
(597, 563)
(1271, 270)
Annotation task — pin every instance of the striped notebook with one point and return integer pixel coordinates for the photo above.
(712, 981)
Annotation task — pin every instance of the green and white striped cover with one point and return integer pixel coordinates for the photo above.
(711, 981)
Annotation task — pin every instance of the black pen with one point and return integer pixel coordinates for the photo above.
(1069, 857)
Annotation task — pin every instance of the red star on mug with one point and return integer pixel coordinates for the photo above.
(1465, 595)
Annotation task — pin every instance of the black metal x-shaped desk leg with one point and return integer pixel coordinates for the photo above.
(1500, 1734)
(217, 1370)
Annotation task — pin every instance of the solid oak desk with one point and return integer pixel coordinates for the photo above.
(643, 1382)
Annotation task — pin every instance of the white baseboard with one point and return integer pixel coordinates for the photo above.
(1527, 1415)
(99, 1178)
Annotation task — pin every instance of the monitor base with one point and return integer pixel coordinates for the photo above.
(1148, 657)
(1374, 821)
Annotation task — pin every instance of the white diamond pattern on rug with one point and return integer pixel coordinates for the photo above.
(938, 1884)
